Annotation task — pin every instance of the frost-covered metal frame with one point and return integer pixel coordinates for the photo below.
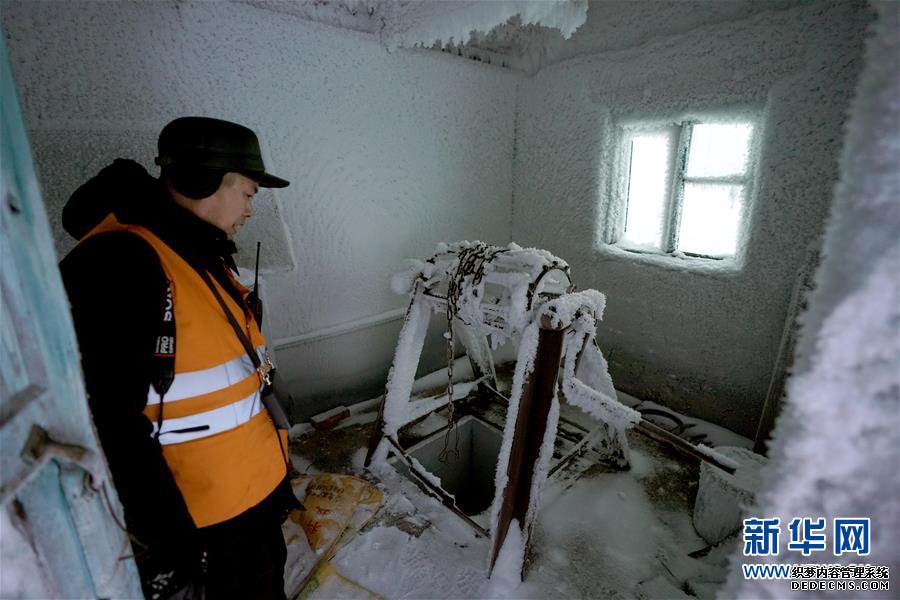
(556, 329)
(492, 306)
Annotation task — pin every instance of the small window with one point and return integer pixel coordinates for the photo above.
(686, 188)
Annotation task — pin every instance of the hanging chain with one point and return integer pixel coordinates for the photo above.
(470, 262)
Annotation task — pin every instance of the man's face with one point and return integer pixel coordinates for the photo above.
(231, 205)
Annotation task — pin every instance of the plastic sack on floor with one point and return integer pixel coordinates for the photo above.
(337, 507)
(335, 504)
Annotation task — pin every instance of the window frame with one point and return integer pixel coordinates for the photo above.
(674, 199)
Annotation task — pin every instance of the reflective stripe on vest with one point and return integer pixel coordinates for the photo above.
(195, 383)
(216, 436)
(177, 429)
(205, 424)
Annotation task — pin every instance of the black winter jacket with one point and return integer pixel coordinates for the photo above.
(116, 287)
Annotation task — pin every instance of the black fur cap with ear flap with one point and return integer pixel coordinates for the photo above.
(204, 143)
(192, 181)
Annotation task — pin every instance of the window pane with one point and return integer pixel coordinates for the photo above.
(648, 187)
(719, 149)
(710, 215)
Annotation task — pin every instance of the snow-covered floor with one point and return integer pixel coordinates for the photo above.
(599, 533)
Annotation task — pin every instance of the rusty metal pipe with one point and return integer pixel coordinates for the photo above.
(528, 436)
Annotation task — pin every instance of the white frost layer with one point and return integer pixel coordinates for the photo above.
(836, 446)
(542, 466)
(524, 366)
(299, 430)
(420, 408)
(507, 573)
(722, 497)
(696, 430)
(604, 560)
(563, 310)
(578, 309)
(719, 456)
(406, 359)
(497, 304)
(587, 385)
(22, 573)
(457, 20)
(591, 387)
(708, 336)
(402, 281)
(462, 371)
(421, 471)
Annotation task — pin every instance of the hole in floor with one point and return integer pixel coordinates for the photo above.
(469, 476)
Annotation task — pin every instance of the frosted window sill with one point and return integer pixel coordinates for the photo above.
(676, 261)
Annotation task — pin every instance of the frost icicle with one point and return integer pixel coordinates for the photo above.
(456, 21)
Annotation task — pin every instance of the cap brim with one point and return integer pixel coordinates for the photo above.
(268, 181)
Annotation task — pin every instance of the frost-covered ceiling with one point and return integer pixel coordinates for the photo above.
(479, 29)
(521, 34)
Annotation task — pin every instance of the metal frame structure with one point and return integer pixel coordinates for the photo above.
(540, 387)
(431, 296)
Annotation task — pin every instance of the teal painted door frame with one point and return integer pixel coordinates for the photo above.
(58, 535)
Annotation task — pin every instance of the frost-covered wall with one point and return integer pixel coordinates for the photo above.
(387, 153)
(836, 447)
(703, 341)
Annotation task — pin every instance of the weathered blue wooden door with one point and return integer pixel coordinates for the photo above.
(58, 535)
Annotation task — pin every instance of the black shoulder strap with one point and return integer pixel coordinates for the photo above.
(245, 341)
(266, 371)
(164, 353)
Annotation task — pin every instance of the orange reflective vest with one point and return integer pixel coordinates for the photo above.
(217, 437)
